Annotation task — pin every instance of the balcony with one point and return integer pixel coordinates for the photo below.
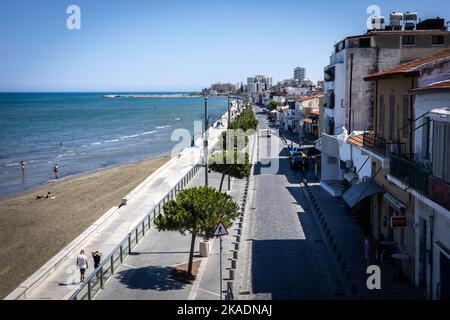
(375, 143)
(329, 100)
(439, 192)
(411, 174)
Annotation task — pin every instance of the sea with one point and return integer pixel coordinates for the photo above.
(85, 132)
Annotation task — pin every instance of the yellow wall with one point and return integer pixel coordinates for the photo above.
(397, 87)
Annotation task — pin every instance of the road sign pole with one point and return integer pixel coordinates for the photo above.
(220, 258)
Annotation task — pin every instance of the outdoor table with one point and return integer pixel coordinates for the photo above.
(387, 243)
(400, 257)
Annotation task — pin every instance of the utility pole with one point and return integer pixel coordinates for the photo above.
(205, 141)
(229, 126)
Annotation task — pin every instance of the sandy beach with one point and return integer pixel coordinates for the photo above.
(32, 231)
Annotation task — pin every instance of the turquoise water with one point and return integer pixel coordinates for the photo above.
(84, 132)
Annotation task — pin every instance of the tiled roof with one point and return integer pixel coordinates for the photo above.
(306, 98)
(409, 68)
(443, 85)
(356, 140)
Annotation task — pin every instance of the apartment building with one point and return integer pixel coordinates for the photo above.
(349, 101)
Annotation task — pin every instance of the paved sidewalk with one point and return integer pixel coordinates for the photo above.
(64, 280)
(349, 240)
(145, 274)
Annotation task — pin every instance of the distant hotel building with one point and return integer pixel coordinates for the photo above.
(258, 83)
(300, 74)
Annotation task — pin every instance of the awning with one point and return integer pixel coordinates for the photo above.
(360, 191)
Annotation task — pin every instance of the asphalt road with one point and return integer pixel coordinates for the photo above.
(289, 258)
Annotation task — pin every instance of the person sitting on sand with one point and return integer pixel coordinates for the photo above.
(49, 195)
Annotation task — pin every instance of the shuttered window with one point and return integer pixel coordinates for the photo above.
(441, 150)
(426, 138)
(391, 117)
(381, 117)
(405, 115)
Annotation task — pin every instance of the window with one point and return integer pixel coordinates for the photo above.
(408, 40)
(405, 115)
(438, 40)
(381, 117)
(426, 138)
(441, 151)
(392, 117)
(364, 43)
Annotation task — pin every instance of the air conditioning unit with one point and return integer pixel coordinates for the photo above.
(348, 164)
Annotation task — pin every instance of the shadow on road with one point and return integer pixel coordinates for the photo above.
(149, 278)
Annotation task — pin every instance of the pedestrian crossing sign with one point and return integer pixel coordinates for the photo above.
(220, 230)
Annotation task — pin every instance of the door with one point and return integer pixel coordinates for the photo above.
(423, 253)
(445, 277)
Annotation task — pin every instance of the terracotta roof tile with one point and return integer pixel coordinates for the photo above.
(443, 85)
(356, 140)
(409, 68)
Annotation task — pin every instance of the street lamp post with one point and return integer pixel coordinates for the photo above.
(205, 141)
(229, 126)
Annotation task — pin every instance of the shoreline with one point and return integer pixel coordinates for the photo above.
(14, 194)
(32, 231)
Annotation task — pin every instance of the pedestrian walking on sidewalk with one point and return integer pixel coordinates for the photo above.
(82, 263)
(96, 255)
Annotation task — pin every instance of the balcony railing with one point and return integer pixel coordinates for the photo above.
(411, 174)
(375, 143)
(439, 192)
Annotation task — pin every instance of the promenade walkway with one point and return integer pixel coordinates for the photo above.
(146, 273)
(61, 280)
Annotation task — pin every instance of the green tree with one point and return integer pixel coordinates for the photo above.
(197, 211)
(220, 162)
(272, 105)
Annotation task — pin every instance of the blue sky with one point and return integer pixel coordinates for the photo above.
(145, 45)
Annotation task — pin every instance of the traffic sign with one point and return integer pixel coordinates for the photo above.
(220, 230)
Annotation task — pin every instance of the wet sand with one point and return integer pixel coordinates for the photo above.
(32, 231)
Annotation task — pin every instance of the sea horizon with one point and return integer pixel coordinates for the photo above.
(84, 132)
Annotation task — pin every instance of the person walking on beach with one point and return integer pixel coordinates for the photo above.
(82, 263)
(55, 170)
(22, 167)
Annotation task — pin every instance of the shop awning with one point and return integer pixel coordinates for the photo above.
(360, 191)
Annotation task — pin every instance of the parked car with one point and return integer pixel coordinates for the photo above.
(296, 162)
(298, 150)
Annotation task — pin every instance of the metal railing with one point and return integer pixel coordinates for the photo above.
(410, 173)
(95, 282)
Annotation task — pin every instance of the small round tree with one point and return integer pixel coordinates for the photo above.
(233, 163)
(197, 211)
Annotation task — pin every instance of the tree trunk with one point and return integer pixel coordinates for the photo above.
(221, 182)
(191, 254)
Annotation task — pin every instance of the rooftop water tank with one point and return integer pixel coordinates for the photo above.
(410, 16)
(395, 18)
(377, 22)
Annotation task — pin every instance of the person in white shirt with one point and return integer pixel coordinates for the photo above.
(82, 263)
